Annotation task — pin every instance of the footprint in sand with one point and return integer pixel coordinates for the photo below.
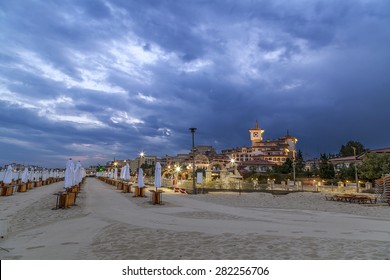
(35, 247)
(69, 243)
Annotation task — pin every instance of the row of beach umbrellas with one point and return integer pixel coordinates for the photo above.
(157, 177)
(125, 175)
(28, 175)
(74, 174)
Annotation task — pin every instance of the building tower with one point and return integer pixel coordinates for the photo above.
(256, 134)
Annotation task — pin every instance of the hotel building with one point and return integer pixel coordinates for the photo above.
(274, 151)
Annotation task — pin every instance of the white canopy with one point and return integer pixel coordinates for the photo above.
(25, 175)
(69, 174)
(125, 172)
(8, 175)
(140, 178)
(157, 175)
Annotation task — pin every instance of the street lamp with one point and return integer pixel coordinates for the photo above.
(141, 155)
(293, 165)
(115, 172)
(193, 129)
(232, 162)
(356, 174)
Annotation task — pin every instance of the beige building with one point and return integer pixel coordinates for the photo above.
(275, 151)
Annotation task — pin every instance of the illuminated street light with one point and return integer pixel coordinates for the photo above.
(141, 155)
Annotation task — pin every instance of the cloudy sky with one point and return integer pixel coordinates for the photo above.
(98, 79)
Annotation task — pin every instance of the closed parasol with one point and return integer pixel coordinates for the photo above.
(69, 174)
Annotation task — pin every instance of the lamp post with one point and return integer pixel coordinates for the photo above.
(356, 174)
(193, 129)
(293, 165)
(177, 170)
(115, 173)
(140, 156)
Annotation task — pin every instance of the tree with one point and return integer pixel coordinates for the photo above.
(299, 162)
(148, 169)
(347, 149)
(346, 173)
(374, 165)
(326, 170)
(285, 168)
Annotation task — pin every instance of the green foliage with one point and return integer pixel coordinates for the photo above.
(299, 163)
(346, 173)
(347, 149)
(148, 169)
(325, 169)
(374, 165)
(285, 168)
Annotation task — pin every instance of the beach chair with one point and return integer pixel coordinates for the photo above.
(330, 197)
(183, 191)
(363, 199)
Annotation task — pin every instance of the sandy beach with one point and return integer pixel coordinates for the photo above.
(107, 224)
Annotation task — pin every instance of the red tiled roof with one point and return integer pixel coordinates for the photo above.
(342, 159)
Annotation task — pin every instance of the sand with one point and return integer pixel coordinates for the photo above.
(109, 225)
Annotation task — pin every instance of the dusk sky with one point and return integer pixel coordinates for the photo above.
(99, 79)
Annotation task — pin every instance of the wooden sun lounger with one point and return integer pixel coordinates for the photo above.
(330, 197)
(343, 197)
(352, 198)
(364, 199)
(180, 190)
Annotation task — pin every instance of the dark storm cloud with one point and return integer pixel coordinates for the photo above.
(104, 79)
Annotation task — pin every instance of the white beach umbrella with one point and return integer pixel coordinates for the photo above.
(44, 175)
(38, 175)
(32, 175)
(122, 172)
(15, 175)
(8, 175)
(2, 172)
(115, 175)
(25, 175)
(157, 176)
(140, 178)
(126, 173)
(78, 173)
(69, 174)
